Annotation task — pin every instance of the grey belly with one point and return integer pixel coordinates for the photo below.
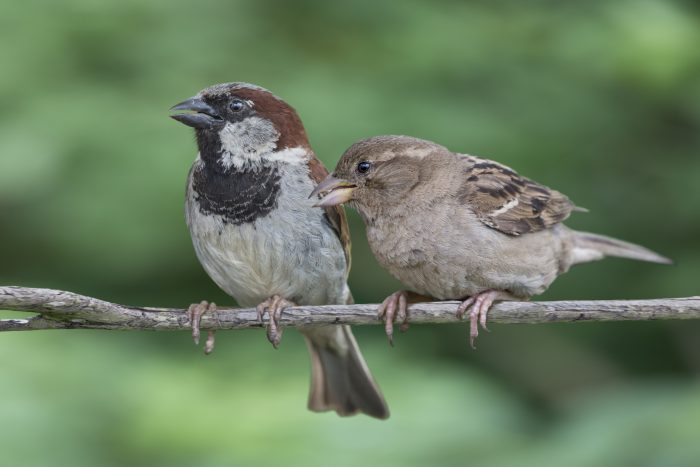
(303, 262)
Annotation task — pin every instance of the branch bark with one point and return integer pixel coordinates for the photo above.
(58, 309)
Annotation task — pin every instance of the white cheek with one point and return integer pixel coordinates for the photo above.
(245, 141)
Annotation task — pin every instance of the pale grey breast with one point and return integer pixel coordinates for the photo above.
(257, 234)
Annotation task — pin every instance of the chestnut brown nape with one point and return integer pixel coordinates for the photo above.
(282, 115)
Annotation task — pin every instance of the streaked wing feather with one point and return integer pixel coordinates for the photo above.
(510, 203)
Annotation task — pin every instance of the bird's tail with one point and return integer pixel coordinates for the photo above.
(591, 247)
(340, 379)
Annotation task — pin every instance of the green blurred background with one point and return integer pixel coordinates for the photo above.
(598, 99)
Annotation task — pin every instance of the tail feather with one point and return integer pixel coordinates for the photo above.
(591, 247)
(340, 378)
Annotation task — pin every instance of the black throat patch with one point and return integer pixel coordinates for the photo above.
(240, 196)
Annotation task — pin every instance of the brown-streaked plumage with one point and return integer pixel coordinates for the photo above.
(457, 227)
(261, 239)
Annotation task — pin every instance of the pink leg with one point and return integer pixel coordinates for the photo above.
(274, 305)
(195, 313)
(480, 305)
(394, 307)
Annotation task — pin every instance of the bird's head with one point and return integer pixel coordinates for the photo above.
(240, 123)
(378, 173)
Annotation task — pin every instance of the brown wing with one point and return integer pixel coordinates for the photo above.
(335, 214)
(509, 203)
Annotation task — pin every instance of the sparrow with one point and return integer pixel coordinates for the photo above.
(457, 227)
(263, 242)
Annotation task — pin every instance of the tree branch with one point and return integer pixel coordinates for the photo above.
(66, 310)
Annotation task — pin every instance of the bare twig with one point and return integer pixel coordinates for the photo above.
(66, 310)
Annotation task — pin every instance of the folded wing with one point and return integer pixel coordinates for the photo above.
(510, 203)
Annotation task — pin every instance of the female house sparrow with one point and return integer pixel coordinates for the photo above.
(262, 241)
(457, 227)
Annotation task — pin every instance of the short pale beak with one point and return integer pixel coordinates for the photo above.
(336, 191)
(202, 115)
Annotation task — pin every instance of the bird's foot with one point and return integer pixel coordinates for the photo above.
(195, 313)
(394, 307)
(274, 306)
(480, 305)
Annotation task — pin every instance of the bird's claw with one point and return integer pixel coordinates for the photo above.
(274, 307)
(461, 311)
(393, 308)
(209, 344)
(195, 312)
(480, 304)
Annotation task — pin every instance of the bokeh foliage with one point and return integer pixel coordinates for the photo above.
(600, 100)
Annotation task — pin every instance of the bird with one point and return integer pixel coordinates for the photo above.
(263, 242)
(452, 226)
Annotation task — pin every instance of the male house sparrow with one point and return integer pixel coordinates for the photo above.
(457, 227)
(260, 238)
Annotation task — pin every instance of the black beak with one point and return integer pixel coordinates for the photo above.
(203, 116)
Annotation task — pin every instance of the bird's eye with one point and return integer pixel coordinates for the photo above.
(363, 167)
(237, 105)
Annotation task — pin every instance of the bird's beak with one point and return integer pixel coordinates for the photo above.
(199, 114)
(336, 191)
